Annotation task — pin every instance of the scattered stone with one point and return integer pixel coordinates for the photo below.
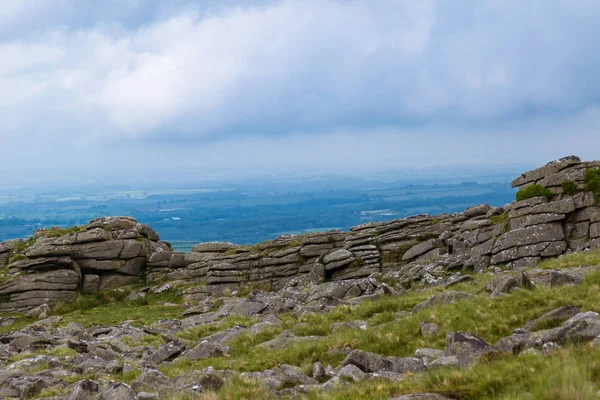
(467, 348)
(442, 298)
(429, 329)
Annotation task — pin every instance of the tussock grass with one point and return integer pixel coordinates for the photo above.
(489, 318)
(572, 373)
(586, 258)
(199, 332)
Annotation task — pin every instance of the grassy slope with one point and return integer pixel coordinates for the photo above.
(571, 373)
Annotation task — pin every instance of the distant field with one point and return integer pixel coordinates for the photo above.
(247, 216)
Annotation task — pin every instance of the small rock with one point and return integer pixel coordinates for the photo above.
(319, 372)
(429, 329)
(39, 312)
(468, 348)
(351, 372)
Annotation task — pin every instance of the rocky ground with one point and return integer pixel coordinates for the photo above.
(362, 338)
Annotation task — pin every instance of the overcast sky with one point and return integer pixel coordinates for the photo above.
(140, 87)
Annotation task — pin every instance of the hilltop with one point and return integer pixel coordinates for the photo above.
(107, 310)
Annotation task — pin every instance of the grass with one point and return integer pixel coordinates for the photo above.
(586, 258)
(395, 256)
(572, 373)
(197, 333)
(592, 182)
(570, 188)
(60, 232)
(426, 236)
(387, 335)
(145, 340)
(501, 219)
(131, 376)
(23, 245)
(49, 393)
(109, 308)
(535, 190)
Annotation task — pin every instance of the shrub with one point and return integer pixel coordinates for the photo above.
(592, 182)
(533, 191)
(570, 188)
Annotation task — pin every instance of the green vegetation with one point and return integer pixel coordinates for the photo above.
(22, 245)
(395, 256)
(572, 373)
(197, 333)
(426, 236)
(533, 191)
(586, 258)
(501, 219)
(49, 393)
(60, 232)
(239, 388)
(110, 308)
(146, 340)
(266, 248)
(570, 188)
(391, 332)
(592, 182)
(131, 375)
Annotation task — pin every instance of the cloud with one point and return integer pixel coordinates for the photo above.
(85, 76)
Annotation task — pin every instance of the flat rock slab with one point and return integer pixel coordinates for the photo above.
(468, 348)
(551, 232)
(446, 297)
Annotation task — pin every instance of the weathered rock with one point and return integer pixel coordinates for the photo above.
(560, 314)
(475, 211)
(51, 280)
(337, 259)
(429, 329)
(403, 365)
(446, 297)
(90, 284)
(550, 232)
(420, 249)
(83, 390)
(206, 349)
(468, 348)
(428, 355)
(550, 168)
(118, 391)
(368, 362)
(421, 396)
(214, 247)
(291, 375)
(319, 372)
(552, 277)
(352, 372)
(167, 352)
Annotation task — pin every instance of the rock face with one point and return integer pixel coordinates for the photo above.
(114, 251)
(55, 264)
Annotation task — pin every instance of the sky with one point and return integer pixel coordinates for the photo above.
(129, 89)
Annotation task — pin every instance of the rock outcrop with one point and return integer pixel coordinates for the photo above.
(55, 264)
(418, 248)
(110, 252)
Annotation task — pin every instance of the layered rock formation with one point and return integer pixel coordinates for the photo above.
(516, 235)
(55, 264)
(110, 252)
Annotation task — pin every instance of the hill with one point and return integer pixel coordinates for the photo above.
(401, 308)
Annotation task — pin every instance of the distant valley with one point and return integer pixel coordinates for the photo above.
(245, 214)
